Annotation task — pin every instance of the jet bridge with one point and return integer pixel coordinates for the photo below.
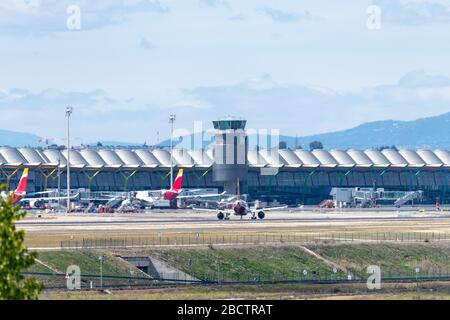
(370, 197)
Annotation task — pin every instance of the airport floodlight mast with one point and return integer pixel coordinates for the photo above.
(59, 182)
(69, 111)
(172, 119)
(100, 258)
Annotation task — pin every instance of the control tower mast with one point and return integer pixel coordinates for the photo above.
(230, 154)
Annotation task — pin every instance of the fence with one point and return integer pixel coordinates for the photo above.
(59, 281)
(199, 239)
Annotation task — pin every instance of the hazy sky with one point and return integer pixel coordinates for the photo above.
(302, 67)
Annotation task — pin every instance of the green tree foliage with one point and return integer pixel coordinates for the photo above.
(387, 147)
(315, 145)
(14, 256)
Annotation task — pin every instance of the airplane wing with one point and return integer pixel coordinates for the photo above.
(271, 208)
(43, 192)
(202, 196)
(50, 198)
(228, 212)
(204, 209)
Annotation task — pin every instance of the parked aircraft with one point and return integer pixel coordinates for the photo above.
(20, 191)
(172, 194)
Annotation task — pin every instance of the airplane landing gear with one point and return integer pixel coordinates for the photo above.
(223, 216)
(261, 215)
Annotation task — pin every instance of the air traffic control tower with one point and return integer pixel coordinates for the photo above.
(230, 154)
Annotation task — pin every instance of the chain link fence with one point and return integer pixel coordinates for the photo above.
(202, 239)
(96, 282)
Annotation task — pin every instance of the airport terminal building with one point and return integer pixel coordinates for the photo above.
(291, 176)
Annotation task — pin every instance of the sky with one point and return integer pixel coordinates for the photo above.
(302, 67)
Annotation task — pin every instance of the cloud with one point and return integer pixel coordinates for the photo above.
(307, 110)
(50, 100)
(265, 102)
(96, 115)
(284, 16)
(147, 44)
(419, 79)
(42, 17)
(214, 3)
(413, 12)
(237, 17)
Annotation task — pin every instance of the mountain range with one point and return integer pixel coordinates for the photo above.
(430, 133)
(19, 139)
(427, 133)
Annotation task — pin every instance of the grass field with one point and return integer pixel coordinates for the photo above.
(87, 260)
(287, 262)
(427, 291)
(254, 264)
(393, 259)
(38, 268)
(263, 263)
(57, 262)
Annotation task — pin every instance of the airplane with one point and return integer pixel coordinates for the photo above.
(241, 208)
(171, 194)
(17, 195)
(38, 202)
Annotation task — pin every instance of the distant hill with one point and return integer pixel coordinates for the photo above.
(431, 133)
(19, 139)
(117, 144)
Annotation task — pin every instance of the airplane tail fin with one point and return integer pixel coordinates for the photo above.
(178, 181)
(22, 187)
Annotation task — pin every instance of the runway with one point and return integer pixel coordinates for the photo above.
(188, 221)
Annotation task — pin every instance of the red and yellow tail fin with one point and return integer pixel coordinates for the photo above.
(22, 187)
(178, 181)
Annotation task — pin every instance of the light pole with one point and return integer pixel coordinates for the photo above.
(101, 271)
(69, 111)
(417, 282)
(59, 182)
(171, 120)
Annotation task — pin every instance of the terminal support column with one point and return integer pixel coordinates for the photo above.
(8, 177)
(444, 188)
(201, 176)
(91, 177)
(309, 176)
(47, 176)
(163, 177)
(411, 177)
(127, 178)
(343, 176)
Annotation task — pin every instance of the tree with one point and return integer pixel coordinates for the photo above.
(14, 256)
(282, 145)
(387, 148)
(315, 145)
